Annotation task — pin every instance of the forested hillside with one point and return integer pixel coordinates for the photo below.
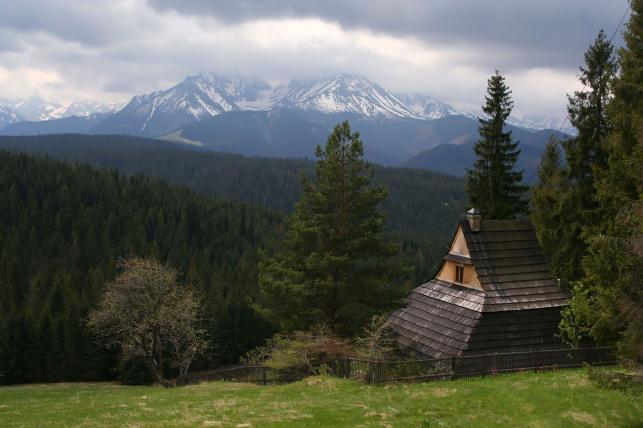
(63, 230)
(65, 226)
(422, 206)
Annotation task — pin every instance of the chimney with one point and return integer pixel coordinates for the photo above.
(473, 217)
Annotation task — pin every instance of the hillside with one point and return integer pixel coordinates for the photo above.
(455, 158)
(63, 229)
(422, 206)
(71, 124)
(551, 399)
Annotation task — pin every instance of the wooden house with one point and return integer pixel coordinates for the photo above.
(492, 293)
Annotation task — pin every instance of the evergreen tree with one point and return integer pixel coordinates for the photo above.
(587, 112)
(493, 185)
(607, 301)
(337, 267)
(586, 153)
(572, 205)
(549, 210)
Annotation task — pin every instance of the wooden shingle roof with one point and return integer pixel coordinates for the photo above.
(518, 306)
(511, 266)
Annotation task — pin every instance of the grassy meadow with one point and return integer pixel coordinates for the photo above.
(561, 398)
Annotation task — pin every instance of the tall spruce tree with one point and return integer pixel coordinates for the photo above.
(606, 305)
(586, 154)
(586, 157)
(337, 268)
(549, 209)
(493, 185)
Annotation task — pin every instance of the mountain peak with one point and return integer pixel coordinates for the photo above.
(344, 93)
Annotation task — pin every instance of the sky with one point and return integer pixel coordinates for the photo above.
(110, 50)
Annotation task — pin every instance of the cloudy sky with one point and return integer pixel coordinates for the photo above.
(112, 49)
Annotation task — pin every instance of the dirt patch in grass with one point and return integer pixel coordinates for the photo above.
(582, 417)
(443, 392)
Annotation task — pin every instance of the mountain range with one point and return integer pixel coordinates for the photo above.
(38, 109)
(253, 117)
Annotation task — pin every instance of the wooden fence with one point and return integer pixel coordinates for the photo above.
(381, 372)
(252, 374)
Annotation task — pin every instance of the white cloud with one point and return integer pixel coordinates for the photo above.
(116, 49)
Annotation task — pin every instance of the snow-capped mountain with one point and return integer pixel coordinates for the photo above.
(8, 115)
(343, 93)
(37, 108)
(534, 123)
(540, 123)
(428, 107)
(88, 108)
(197, 97)
(206, 95)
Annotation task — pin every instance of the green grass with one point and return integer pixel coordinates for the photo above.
(561, 398)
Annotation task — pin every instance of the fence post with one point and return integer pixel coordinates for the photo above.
(453, 362)
(378, 373)
(483, 366)
(263, 376)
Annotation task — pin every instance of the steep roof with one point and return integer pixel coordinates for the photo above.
(519, 300)
(511, 266)
(439, 318)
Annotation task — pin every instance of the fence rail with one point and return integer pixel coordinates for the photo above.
(250, 374)
(380, 372)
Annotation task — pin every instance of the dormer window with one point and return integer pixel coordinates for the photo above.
(459, 273)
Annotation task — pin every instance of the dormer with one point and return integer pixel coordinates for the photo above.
(457, 267)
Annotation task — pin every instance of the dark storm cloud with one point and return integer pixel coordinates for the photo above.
(88, 23)
(544, 33)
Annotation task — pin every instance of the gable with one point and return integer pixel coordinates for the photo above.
(459, 244)
(460, 251)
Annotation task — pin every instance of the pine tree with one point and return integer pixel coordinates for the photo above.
(337, 268)
(606, 305)
(493, 185)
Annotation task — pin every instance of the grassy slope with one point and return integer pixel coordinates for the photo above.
(563, 398)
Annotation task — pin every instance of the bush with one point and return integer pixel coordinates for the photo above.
(619, 379)
(308, 353)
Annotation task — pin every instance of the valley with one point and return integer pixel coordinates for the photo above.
(288, 120)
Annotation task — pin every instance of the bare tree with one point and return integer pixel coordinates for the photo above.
(376, 341)
(150, 316)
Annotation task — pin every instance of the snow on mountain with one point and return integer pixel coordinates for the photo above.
(202, 96)
(428, 107)
(195, 98)
(88, 108)
(8, 115)
(37, 108)
(534, 123)
(205, 95)
(343, 93)
(540, 123)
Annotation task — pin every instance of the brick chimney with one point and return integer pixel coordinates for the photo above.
(474, 217)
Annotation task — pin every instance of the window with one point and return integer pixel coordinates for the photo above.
(459, 274)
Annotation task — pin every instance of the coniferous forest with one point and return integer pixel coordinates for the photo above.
(421, 207)
(65, 226)
(63, 230)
